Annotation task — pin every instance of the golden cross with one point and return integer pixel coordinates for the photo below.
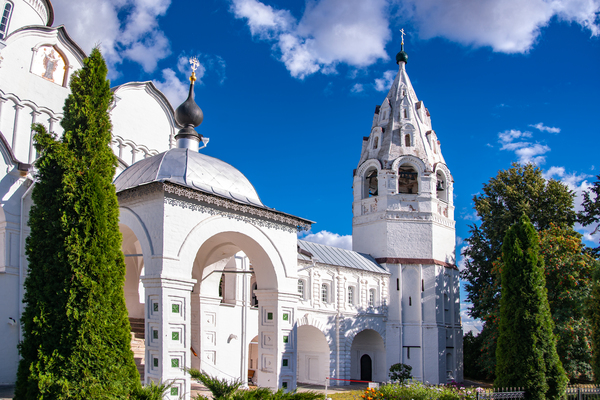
(402, 33)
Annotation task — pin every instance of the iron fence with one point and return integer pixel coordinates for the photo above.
(501, 393)
(583, 392)
(579, 392)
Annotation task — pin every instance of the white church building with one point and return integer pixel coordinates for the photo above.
(220, 281)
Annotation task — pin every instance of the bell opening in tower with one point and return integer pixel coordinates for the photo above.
(407, 180)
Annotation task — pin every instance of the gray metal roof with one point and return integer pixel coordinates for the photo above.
(194, 170)
(339, 257)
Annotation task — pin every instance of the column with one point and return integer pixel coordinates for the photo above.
(168, 333)
(31, 159)
(18, 108)
(277, 346)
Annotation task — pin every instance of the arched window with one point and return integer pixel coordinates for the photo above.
(371, 297)
(350, 295)
(324, 293)
(301, 288)
(408, 180)
(371, 184)
(6, 13)
(376, 142)
(407, 140)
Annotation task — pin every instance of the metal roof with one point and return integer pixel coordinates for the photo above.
(194, 170)
(339, 257)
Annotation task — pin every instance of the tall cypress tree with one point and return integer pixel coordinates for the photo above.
(76, 335)
(593, 309)
(526, 352)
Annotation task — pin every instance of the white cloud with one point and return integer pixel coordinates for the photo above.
(175, 84)
(124, 29)
(172, 87)
(330, 32)
(469, 323)
(357, 88)
(508, 26)
(330, 239)
(384, 83)
(526, 152)
(541, 127)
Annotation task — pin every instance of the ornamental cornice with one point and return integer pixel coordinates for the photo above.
(257, 216)
(406, 216)
(217, 205)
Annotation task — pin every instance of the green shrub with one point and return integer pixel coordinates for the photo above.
(400, 372)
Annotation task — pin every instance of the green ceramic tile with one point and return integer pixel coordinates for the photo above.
(175, 308)
(285, 362)
(155, 334)
(285, 339)
(174, 391)
(175, 335)
(286, 316)
(155, 305)
(155, 361)
(175, 362)
(270, 315)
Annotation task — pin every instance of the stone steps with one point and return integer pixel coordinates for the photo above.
(138, 344)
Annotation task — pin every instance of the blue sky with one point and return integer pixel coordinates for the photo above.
(288, 88)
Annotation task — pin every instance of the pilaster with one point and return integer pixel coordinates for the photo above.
(168, 332)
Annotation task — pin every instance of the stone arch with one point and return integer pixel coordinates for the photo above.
(308, 319)
(133, 221)
(369, 182)
(369, 340)
(314, 354)
(200, 245)
(444, 185)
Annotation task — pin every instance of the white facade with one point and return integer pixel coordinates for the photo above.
(221, 281)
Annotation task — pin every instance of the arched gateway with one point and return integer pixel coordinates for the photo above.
(193, 220)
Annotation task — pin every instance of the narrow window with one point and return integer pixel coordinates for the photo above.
(301, 288)
(397, 283)
(350, 295)
(407, 140)
(422, 285)
(409, 301)
(405, 113)
(5, 19)
(324, 294)
(376, 142)
(372, 298)
(254, 301)
(222, 285)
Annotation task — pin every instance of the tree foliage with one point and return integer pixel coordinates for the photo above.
(76, 335)
(549, 205)
(520, 189)
(593, 311)
(526, 352)
(591, 209)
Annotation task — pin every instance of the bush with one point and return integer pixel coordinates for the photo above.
(400, 372)
(222, 389)
(418, 391)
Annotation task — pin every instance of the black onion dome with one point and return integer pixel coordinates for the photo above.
(401, 56)
(189, 114)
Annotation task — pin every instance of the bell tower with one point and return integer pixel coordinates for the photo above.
(403, 216)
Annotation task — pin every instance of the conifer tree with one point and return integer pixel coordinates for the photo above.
(76, 335)
(594, 316)
(526, 352)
